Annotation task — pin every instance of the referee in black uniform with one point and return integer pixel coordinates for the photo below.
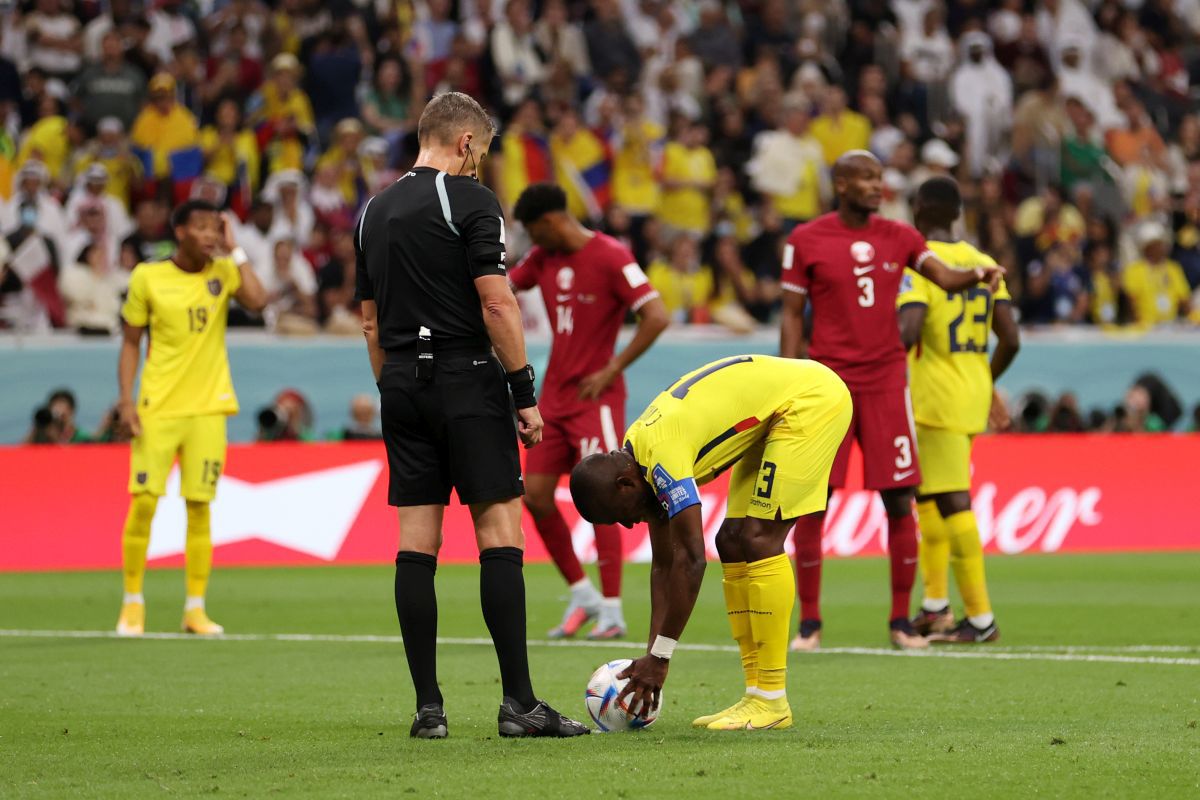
(436, 304)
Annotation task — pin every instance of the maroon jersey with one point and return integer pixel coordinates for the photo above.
(852, 277)
(587, 294)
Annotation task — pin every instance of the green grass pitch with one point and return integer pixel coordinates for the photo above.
(1093, 691)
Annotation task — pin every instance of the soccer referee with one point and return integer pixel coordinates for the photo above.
(435, 305)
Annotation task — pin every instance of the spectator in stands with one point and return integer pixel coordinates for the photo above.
(515, 54)
(838, 128)
(982, 93)
(1103, 284)
(1055, 288)
(335, 287)
(110, 149)
(736, 298)
(92, 186)
(289, 418)
(688, 175)
(637, 147)
(291, 292)
(714, 41)
(1046, 219)
(342, 156)
(53, 36)
(335, 67)
(685, 285)
(48, 140)
(1084, 159)
(562, 40)
(1136, 138)
(91, 227)
(364, 421)
(610, 49)
(927, 56)
(1136, 415)
(1039, 125)
(110, 87)
(393, 104)
(1065, 416)
(788, 167)
(327, 197)
(151, 238)
(230, 149)
(1157, 288)
(44, 430)
(287, 190)
(164, 126)
(61, 404)
(92, 288)
(1186, 222)
(235, 70)
(281, 99)
(33, 207)
(581, 164)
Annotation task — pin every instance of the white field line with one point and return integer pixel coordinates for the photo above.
(1115, 655)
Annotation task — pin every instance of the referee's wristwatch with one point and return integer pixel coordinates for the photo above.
(521, 383)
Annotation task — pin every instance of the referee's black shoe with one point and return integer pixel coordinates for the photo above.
(430, 723)
(541, 720)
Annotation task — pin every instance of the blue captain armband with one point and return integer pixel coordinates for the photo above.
(675, 495)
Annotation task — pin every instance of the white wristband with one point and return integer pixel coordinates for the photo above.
(239, 256)
(663, 647)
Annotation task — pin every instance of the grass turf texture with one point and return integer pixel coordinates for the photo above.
(118, 718)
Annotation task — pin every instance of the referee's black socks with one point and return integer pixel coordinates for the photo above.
(416, 606)
(502, 595)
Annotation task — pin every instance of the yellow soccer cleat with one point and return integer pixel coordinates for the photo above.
(132, 621)
(756, 714)
(196, 621)
(703, 722)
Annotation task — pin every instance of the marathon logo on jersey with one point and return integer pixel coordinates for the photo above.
(674, 495)
(214, 287)
(862, 252)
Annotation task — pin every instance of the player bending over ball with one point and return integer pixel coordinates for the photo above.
(778, 423)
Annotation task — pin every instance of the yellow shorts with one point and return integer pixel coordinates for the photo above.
(945, 460)
(786, 475)
(199, 442)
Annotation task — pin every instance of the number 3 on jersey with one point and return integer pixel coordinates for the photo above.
(867, 286)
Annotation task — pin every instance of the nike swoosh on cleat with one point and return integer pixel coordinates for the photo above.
(750, 725)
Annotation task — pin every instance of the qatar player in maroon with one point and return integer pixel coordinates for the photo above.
(589, 282)
(848, 265)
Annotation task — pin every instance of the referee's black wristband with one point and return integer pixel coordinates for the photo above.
(521, 384)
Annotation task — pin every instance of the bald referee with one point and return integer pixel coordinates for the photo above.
(436, 304)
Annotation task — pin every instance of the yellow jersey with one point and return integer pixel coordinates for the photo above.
(635, 161)
(707, 420)
(687, 209)
(948, 371)
(187, 368)
(1156, 291)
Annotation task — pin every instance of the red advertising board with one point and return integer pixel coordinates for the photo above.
(63, 508)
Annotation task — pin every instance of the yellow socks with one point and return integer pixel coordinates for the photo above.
(736, 585)
(772, 594)
(198, 551)
(135, 541)
(934, 554)
(967, 561)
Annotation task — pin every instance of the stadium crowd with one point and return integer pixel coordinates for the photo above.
(700, 132)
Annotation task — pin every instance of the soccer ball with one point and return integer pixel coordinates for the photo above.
(609, 713)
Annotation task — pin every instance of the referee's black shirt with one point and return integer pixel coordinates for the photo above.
(421, 243)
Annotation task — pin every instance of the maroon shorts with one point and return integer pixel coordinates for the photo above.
(883, 425)
(570, 437)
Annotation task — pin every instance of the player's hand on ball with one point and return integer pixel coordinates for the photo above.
(128, 416)
(529, 425)
(998, 417)
(594, 385)
(646, 677)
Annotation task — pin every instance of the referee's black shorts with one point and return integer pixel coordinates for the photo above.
(453, 430)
